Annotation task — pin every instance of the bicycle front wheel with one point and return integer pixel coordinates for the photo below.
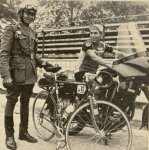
(111, 132)
(43, 113)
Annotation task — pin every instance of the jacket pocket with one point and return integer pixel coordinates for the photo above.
(19, 73)
(23, 41)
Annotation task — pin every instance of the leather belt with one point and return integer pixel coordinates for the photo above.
(24, 55)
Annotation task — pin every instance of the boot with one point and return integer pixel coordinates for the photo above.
(23, 131)
(24, 135)
(10, 141)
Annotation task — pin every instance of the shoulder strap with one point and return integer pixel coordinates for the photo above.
(15, 29)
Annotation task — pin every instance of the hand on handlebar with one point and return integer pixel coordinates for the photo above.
(50, 68)
(109, 65)
(53, 69)
(121, 55)
(45, 64)
(104, 79)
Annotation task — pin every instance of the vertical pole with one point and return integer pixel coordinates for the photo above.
(43, 43)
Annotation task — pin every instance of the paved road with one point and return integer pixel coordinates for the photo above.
(140, 137)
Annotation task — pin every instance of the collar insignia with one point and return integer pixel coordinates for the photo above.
(88, 44)
(18, 32)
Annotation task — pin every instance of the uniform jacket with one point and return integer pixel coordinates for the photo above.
(18, 57)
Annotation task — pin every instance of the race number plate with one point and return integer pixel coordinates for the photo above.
(81, 89)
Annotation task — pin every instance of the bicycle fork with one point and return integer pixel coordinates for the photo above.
(59, 125)
(61, 140)
(95, 116)
(94, 111)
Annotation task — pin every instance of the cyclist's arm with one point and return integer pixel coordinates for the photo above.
(118, 53)
(96, 58)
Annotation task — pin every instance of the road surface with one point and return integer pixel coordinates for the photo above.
(140, 137)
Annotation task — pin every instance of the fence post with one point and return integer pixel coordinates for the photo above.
(43, 33)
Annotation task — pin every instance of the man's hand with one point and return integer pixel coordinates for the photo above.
(121, 55)
(45, 64)
(7, 82)
(109, 65)
(51, 68)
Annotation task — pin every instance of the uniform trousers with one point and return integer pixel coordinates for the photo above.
(13, 93)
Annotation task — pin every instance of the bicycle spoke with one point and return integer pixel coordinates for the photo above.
(109, 134)
(43, 120)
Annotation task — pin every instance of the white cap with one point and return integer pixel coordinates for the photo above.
(97, 26)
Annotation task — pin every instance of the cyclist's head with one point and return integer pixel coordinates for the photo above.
(96, 33)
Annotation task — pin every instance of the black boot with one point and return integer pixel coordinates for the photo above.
(10, 141)
(23, 132)
(24, 135)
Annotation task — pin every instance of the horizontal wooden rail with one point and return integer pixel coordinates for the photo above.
(118, 24)
(63, 40)
(62, 44)
(62, 49)
(79, 48)
(64, 34)
(87, 33)
(65, 29)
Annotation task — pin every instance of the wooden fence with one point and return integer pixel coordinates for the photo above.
(63, 45)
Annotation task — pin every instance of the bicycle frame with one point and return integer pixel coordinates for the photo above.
(53, 94)
(58, 122)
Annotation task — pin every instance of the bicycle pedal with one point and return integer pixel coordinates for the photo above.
(60, 145)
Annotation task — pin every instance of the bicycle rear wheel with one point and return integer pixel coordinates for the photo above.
(112, 130)
(43, 113)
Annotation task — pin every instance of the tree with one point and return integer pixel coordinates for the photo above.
(43, 2)
(7, 10)
(17, 3)
(113, 9)
(74, 10)
(55, 14)
(58, 13)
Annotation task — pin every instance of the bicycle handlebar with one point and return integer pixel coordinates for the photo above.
(106, 79)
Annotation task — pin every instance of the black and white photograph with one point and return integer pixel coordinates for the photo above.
(74, 74)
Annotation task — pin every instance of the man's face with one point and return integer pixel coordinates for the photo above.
(28, 17)
(95, 35)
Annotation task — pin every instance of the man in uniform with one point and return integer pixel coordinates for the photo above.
(92, 52)
(18, 62)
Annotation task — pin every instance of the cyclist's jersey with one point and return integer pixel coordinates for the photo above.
(85, 62)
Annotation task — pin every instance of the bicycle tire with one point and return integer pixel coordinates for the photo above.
(114, 130)
(42, 116)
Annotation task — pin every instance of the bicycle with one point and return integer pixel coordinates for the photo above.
(91, 124)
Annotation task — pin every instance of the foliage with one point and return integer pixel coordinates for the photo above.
(58, 13)
(7, 10)
(113, 11)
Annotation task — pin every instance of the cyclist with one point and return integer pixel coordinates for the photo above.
(90, 56)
